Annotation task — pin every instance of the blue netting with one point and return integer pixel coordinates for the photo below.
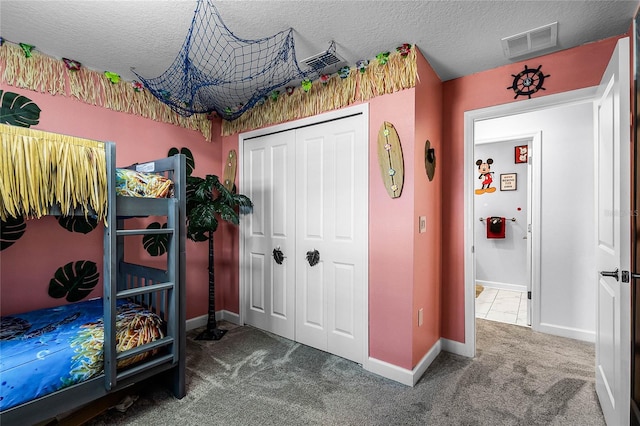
(217, 71)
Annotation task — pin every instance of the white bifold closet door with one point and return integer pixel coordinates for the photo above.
(309, 188)
(269, 180)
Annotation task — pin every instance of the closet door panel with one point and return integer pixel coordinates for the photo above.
(311, 210)
(312, 178)
(332, 185)
(344, 190)
(342, 299)
(282, 216)
(256, 285)
(270, 182)
(347, 287)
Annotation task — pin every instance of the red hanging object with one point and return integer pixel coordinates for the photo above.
(72, 64)
(496, 227)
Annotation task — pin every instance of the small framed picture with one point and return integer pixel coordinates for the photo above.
(508, 182)
(522, 154)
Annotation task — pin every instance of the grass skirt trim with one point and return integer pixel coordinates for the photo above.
(399, 73)
(44, 74)
(39, 170)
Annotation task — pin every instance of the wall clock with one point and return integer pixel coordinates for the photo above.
(528, 81)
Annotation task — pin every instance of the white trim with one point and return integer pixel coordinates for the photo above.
(402, 375)
(331, 115)
(457, 348)
(201, 321)
(228, 316)
(470, 117)
(197, 322)
(535, 212)
(362, 109)
(502, 286)
(570, 332)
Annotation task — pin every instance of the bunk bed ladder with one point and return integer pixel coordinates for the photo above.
(161, 290)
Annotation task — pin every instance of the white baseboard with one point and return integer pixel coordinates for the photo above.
(201, 321)
(231, 317)
(502, 286)
(402, 375)
(197, 322)
(457, 348)
(571, 333)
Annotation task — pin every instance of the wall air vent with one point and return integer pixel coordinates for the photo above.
(530, 41)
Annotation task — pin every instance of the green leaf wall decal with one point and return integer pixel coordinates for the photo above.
(18, 110)
(78, 223)
(11, 230)
(75, 280)
(189, 160)
(156, 244)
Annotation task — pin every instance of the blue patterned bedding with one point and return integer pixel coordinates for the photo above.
(46, 350)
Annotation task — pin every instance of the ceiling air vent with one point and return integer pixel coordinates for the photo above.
(324, 59)
(530, 41)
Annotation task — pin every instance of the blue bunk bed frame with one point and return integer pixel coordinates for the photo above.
(162, 290)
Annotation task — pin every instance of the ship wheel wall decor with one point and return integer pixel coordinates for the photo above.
(528, 81)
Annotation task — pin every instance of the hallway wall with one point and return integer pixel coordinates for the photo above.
(569, 69)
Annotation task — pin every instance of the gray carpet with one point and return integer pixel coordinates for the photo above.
(251, 377)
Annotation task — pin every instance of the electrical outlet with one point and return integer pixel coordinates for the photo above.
(420, 317)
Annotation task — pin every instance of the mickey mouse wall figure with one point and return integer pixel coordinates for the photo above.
(484, 169)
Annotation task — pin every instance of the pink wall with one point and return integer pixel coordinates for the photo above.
(28, 265)
(570, 69)
(391, 235)
(427, 202)
(404, 267)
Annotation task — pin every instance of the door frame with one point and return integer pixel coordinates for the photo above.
(361, 109)
(468, 348)
(534, 140)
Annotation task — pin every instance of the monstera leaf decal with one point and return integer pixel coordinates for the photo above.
(11, 230)
(78, 223)
(156, 244)
(191, 163)
(75, 280)
(18, 110)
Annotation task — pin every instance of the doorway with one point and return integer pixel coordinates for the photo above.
(502, 241)
(562, 302)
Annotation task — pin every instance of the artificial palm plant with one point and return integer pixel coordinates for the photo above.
(207, 201)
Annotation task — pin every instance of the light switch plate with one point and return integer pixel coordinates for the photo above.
(422, 224)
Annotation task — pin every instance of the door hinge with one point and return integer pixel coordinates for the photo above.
(529, 295)
(627, 276)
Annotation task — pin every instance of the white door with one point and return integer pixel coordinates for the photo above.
(612, 136)
(309, 187)
(331, 211)
(269, 180)
(531, 152)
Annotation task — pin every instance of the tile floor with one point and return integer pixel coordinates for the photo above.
(502, 306)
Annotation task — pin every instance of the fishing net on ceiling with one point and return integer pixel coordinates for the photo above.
(217, 71)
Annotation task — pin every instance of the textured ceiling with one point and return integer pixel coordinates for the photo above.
(457, 37)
